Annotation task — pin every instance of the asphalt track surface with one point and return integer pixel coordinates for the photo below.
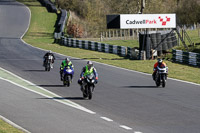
(127, 97)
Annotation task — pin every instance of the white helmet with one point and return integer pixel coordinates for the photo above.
(67, 60)
(89, 64)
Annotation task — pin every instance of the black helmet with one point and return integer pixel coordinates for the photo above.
(160, 60)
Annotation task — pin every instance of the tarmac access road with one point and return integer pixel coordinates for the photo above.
(123, 101)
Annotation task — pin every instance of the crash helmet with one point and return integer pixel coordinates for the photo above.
(160, 61)
(89, 64)
(67, 60)
(50, 51)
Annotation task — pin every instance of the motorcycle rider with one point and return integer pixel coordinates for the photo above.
(159, 63)
(89, 68)
(45, 57)
(65, 63)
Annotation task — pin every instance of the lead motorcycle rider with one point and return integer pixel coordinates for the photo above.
(89, 68)
(159, 63)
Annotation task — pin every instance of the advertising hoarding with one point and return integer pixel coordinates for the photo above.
(131, 21)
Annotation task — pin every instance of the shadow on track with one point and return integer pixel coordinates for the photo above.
(51, 85)
(34, 70)
(140, 86)
(64, 98)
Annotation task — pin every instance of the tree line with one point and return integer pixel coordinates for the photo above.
(92, 13)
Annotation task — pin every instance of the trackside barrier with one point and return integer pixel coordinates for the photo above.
(188, 58)
(49, 5)
(61, 25)
(95, 46)
(62, 19)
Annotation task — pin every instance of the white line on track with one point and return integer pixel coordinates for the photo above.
(68, 102)
(125, 127)
(13, 124)
(65, 101)
(107, 119)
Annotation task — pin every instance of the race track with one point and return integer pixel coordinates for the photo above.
(128, 98)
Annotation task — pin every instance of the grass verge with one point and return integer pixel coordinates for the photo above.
(126, 43)
(6, 128)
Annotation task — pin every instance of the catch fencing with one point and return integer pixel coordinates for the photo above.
(95, 46)
(188, 58)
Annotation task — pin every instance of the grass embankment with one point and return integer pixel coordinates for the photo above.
(40, 35)
(195, 38)
(126, 43)
(6, 128)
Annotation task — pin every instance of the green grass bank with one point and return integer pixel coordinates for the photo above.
(6, 128)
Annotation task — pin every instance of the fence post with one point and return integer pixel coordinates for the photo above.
(124, 34)
(133, 33)
(198, 29)
(101, 38)
(109, 33)
(116, 33)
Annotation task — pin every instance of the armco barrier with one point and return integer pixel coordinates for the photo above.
(95, 46)
(61, 24)
(49, 5)
(62, 19)
(188, 58)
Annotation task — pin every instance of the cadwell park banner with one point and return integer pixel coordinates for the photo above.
(131, 21)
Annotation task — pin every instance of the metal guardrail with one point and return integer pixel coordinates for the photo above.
(49, 5)
(62, 19)
(95, 46)
(188, 58)
(61, 24)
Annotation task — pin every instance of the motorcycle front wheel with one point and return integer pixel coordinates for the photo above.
(68, 80)
(47, 68)
(90, 88)
(163, 81)
(85, 92)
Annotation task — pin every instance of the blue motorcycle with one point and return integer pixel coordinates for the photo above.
(68, 73)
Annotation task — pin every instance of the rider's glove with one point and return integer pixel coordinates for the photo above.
(96, 78)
